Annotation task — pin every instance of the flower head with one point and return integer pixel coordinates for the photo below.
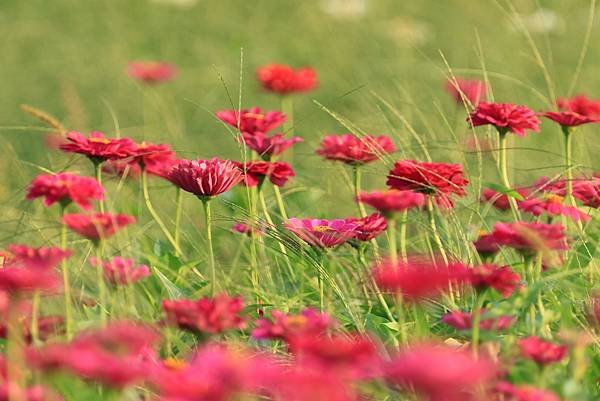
(569, 118)
(252, 121)
(122, 168)
(529, 237)
(322, 233)
(355, 150)
(540, 351)
(499, 200)
(16, 278)
(581, 105)
(38, 258)
(524, 393)
(206, 315)
(464, 321)
(156, 159)
(65, 188)
(392, 201)
(586, 190)
(269, 146)
(256, 171)
(97, 226)
(368, 227)
(151, 72)
(97, 147)
(283, 326)
(206, 178)
(248, 229)
(472, 90)
(500, 278)
(551, 205)
(119, 271)
(284, 80)
(505, 117)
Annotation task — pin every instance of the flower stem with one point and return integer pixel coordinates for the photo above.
(503, 159)
(357, 180)
(102, 307)
(15, 364)
(66, 282)
(569, 164)
(476, 320)
(35, 313)
(391, 235)
(98, 174)
(402, 229)
(434, 230)
(178, 210)
(280, 203)
(155, 215)
(211, 254)
(287, 107)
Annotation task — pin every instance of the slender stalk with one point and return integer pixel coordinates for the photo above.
(503, 160)
(357, 181)
(391, 236)
(66, 282)
(155, 215)
(568, 135)
(400, 313)
(476, 320)
(15, 361)
(178, 210)
(98, 174)
(211, 254)
(287, 106)
(402, 229)
(35, 313)
(102, 306)
(280, 203)
(434, 230)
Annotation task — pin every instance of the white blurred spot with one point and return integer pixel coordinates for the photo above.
(345, 8)
(177, 3)
(542, 20)
(408, 31)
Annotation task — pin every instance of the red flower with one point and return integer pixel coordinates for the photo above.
(256, 171)
(569, 118)
(120, 168)
(440, 179)
(151, 72)
(585, 190)
(205, 178)
(286, 326)
(353, 150)
(500, 278)
(322, 233)
(464, 321)
(552, 205)
(498, 199)
(540, 351)
(65, 188)
(418, 278)
(391, 201)
(97, 147)
(16, 278)
(486, 244)
(368, 227)
(284, 80)
(38, 258)
(505, 117)
(440, 373)
(98, 225)
(472, 90)
(529, 237)
(206, 315)
(524, 393)
(252, 121)
(243, 228)
(581, 105)
(119, 271)
(269, 146)
(157, 159)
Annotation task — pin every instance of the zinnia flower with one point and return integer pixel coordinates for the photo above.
(368, 227)
(540, 351)
(586, 190)
(580, 104)
(322, 233)
(98, 225)
(283, 326)
(472, 90)
(569, 118)
(119, 168)
(151, 72)
(65, 188)
(99, 148)
(256, 171)
(38, 258)
(498, 199)
(119, 271)
(524, 393)
(206, 315)
(18, 279)
(353, 150)
(529, 237)
(552, 205)
(247, 229)
(392, 201)
(156, 159)
(500, 278)
(206, 178)
(505, 117)
(464, 321)
(268, 147)
(252, 121)
(284, 80)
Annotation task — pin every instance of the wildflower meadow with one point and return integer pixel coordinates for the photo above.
(319, 200)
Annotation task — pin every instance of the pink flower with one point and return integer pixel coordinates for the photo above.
(464, 321)
(65, 188)
(473, 90)
(505, 117)
(284, 80)
(206, 315)
(151, 72)
(283, 326)
(269, 146)
(17, 279)
(368, 227)
(255, 172)
(122, 168)
(44, 258)
(500, 278)
(585, 190)
(206, 178)
(552, 205)
(540, 351)
(98, 148)
(392, 201)
(243, 228)
(119, 271)
(524, 393)
(582, 105)
(157, 159)
(498, 199)
(252, 121)
(529, 237)
(440, 373)
(355, 150)
(418, 278)
(97, 226)
(322, 233)
(486, 244)
(569, 118)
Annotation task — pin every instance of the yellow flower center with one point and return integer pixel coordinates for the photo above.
(255, 116)
(105, 141)
(321, 229)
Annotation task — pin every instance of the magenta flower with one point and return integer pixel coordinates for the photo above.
(98, 148)
(287, 326)
(44, 258)
(472, 90)
(322, 233)
(285, 80)
(505, 117)
(355, 150)
(151, 72)
(65, 188)
(368, 227)
(541, 351)
(552, 205)
(206, 178)
(97, 226)
(119, 271)
(464, 321)
(268, 147)
(392, 201)
(252, 121)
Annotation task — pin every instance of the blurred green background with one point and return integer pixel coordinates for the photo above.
(68, 57)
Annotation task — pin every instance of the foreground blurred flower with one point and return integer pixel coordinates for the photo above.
(473, 90)
(252, 121)
(17, 278)
(464, 321)
(322, 233)
(151, 72)
(284, 80)
(529, 238)
(268, 147)
(119, 271)
(505, 117)
(500, 278)
(206, 178)
(97, 226)
(355, 150)
(552, 205)
(368, 227)
(418, 277)
(206, 315)
(283, 326)
(540, 351)
(439, 373)
(65, 188)
(98, 148)
(47, 326)
(523, 393)
(255, 172)
(392, 201)
(38, 258)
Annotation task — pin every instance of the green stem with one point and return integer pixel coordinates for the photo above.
(569, 164)
(66, 282)
(402, 229)
(357, 180)
(98, 174)
(287, 107)
(15, 361)
(280, 203)
(102, 306)
(503, 160)
(35, 312)
(434, 230)
(211, 254)
(391, 235)
(155, 215)
(178, 211)
(476, 320)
